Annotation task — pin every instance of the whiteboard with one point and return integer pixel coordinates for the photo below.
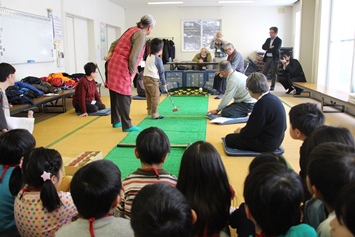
(25, 37)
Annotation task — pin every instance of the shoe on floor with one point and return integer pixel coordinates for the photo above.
(132, 129)
(159, 117)
(220, 96)
(117, 125)
(289, 90)
(271, 88)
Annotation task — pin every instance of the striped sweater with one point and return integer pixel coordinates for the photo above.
(135, 182)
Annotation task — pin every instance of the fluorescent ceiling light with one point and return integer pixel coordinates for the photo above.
(236, 1)
(162, 3)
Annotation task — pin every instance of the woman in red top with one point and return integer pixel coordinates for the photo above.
(86, 99)
(124, 57)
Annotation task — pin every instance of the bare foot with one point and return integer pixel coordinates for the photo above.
(30, 114)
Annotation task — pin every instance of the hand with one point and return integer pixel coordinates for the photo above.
(237, 130)
(30, 114)
(214, 111)
(200, 60)
(165, 88)
(108, 56)
(283, 60)
(83, 115)
(271, 47)
(216, 73)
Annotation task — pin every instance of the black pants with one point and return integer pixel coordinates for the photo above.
(235, 140)
(91, 108)
(219, 84)
(287, 82)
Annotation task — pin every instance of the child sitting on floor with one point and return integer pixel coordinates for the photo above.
(161, 210)
(273, 194)
(152, 148)
(343, 225)
(39, 209)
(14, 144)
(95, 189)
(331, 166)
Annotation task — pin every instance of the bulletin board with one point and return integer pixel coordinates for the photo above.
(25, 37)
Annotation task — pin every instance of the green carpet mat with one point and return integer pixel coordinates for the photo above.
(125, 159)
(182, 127)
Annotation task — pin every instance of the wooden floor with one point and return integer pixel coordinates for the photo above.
(71, 135)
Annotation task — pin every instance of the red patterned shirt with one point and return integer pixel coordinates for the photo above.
(126, 57)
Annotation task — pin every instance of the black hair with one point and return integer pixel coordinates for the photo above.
(161, 210)
(331, 166)
(34, 165)
(95, 187)
(306, 117)
(275, 29)
(90, 68)
(345, 207)
(156, 45)
(257, 83)
(14, 145)
(204, 182)
(266, 157)
(152, 145)
(325, 133)
(273, 194)
(287, 53)
(5, 70)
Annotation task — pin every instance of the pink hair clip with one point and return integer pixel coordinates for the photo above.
(46, 176)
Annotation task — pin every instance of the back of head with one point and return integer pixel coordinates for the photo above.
(225, 66)
(95, 187)
(14, 144)
(345, 207)
(204, 182)
(257, 83)
(36, 166)
(152, 145)
(160, 210)
(90, 68)
(306, 117)
(156, 45)
(5, 70)
(266, 157)
(146, 21)
(331, 166)
(329, 134)
(273, 194)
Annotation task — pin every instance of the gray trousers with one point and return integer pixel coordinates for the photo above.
(120, 109)
(271, 65)
(236, 110)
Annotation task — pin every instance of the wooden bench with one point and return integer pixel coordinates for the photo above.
(42, 103)
(330, 97)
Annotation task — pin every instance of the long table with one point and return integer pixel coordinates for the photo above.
(174, 65)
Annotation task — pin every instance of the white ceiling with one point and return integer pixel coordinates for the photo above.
(130, 4)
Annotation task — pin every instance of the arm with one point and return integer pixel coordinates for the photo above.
(293, 66)
(196, 58)
(212, 44)
(255, 123)
(138, 44)
(266, 45)
(110, 51)
(3, 123)
(97, 95)
(160, 67)
(237, 60)
(209, 57)
(80, 91)
(231, 89)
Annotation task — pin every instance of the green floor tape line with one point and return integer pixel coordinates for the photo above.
(125, 159)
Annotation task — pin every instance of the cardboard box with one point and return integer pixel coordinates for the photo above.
(81, 160)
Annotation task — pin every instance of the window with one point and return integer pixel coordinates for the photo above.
(341, 46)
(198, 34)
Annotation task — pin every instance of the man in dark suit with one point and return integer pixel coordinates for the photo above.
(271, 59)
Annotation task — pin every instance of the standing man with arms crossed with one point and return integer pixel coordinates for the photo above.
(122, 67)
(271, 59)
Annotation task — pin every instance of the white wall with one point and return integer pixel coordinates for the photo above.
(95, 10)
(246, 27)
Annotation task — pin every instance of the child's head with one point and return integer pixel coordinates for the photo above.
(304, 119)
(343, 225)
(14, 144)
(273, 194)
(161, 210)
(152, 146)
(266, 157)
(95, 188)
(329, 134)
(90, 68)
(156, 45)
(204, 182)
(5, 71)
(331, 166)
(42, 169)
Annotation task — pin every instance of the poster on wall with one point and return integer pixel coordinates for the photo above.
(103, 44)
